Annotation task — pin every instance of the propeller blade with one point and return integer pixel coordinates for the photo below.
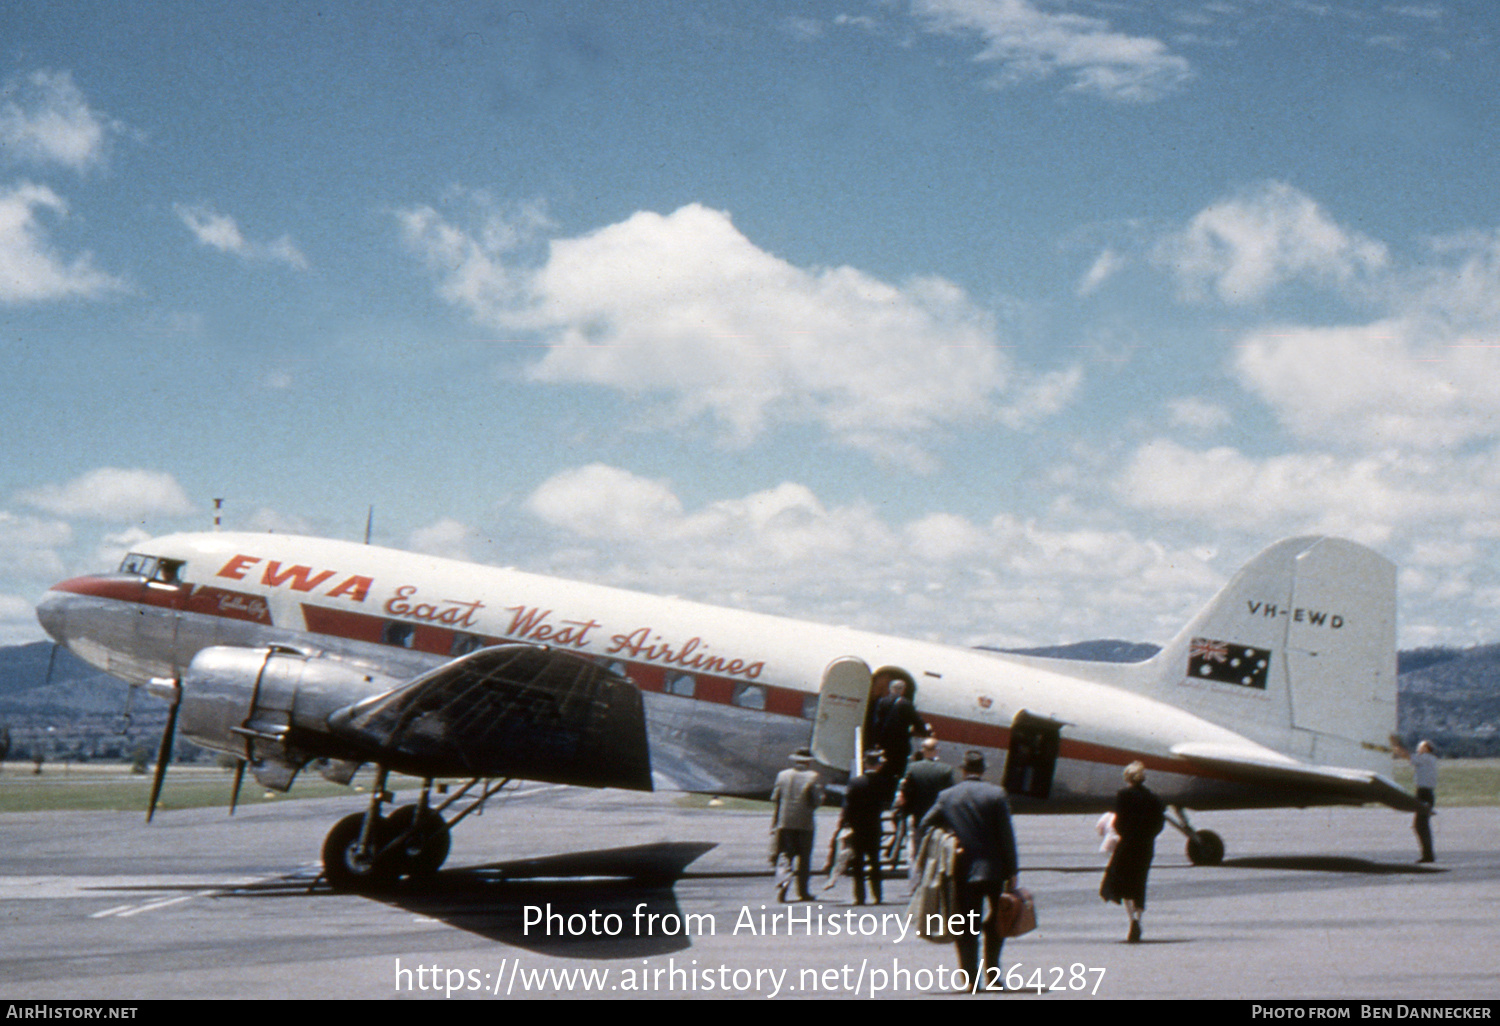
(239, 778)
(163, 756)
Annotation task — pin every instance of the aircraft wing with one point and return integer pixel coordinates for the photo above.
(1271, 769)
(524, 711)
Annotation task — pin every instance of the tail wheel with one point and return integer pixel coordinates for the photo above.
(347, 866)
(1205, 848)
(422, 852)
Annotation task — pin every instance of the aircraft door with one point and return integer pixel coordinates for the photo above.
(1032, 757)
(842, 700)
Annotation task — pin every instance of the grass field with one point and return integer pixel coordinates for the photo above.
(1462, 781)
(102, 786)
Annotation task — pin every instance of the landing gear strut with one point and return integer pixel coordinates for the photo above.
(419, 837)
(367, 851)
(354, 851)
(1204, 847)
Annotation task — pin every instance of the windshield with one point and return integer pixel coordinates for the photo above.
(152, 568)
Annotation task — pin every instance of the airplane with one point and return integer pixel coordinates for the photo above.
(285, 652)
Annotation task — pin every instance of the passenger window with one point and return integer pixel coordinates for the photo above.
(397, 633)
(749, 696)
(463, 644)
(681, 684)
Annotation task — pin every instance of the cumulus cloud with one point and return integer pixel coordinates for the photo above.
(1196, 414)
(783, 550)
(447, 537)
(1366, 498)
(221, 232)
(1425, 377)
(17, 621)
(599, 501)
(1026, 43)
(782, 526)
(1041, 397)
(274, 521)
(1241, 248)
(31, 270)
(1105, 266)
(31, 547)
(683, 305)
(112, 493)
(44, 119)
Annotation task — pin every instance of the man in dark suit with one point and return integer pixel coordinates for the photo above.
(978, 814)
(895, 721)
(925, 779)
(863, 804)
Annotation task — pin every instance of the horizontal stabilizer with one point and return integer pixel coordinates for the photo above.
(1265, 767)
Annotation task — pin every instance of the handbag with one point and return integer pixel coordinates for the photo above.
(1017, 913)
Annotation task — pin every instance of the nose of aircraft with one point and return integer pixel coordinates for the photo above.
(52, 613)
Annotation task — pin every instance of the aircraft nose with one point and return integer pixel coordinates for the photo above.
(52, 614)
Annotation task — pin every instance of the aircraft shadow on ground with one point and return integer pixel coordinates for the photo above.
(576, 905)
(1329, 864)
(492, 899)
(1305, 863)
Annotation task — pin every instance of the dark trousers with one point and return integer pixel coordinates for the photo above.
(796, 847)
(973, 897)
(1422, 822)
(865, 859)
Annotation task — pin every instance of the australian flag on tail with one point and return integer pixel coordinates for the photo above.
(1228, 663)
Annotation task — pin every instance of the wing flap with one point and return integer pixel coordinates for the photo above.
(1263, 766)
(525, 711)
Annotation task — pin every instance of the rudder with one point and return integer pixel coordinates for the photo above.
(1297, 652)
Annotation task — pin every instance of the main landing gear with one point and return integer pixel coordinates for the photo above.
(367, 851)
(1204, 847)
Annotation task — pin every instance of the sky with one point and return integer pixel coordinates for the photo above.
(998, 322)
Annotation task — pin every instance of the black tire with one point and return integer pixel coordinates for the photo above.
(345, 868)
(423, 853)
(1205, 848)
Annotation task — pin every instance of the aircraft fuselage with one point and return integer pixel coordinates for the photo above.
(727, 694)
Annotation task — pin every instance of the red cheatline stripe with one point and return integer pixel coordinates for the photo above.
(780, 701)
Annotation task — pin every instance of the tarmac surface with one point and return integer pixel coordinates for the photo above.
(552, 893)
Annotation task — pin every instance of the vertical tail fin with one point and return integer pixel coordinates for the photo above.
(1298, 653)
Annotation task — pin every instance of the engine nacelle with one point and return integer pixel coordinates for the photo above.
(269, 705)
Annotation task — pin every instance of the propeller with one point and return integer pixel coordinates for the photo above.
(172, 692)
(239, 778)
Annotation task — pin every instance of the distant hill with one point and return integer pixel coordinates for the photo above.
(54, 704)
(1106, 651)
(1450, 695)
(71, 687)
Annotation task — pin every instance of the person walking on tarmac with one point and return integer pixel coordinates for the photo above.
(863, 804)
(1139, 817)
(794, 799)
(978, 814)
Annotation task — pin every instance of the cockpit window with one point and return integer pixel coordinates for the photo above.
(139, 564)
(152, 568)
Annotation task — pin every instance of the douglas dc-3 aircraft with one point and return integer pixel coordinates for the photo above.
(285, 651)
